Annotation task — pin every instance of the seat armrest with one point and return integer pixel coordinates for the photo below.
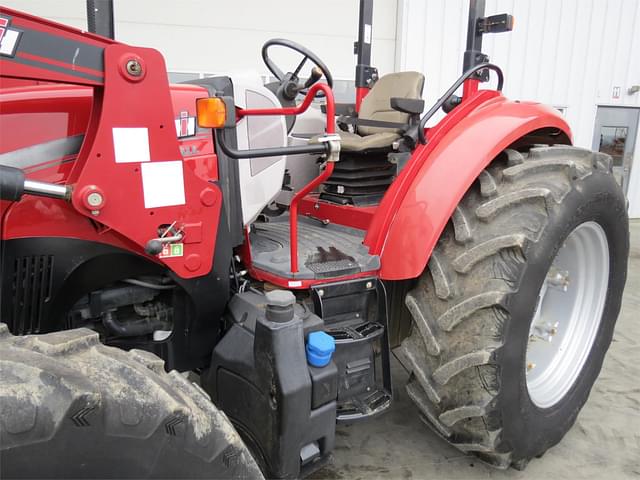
(345, 109)
(412, 106)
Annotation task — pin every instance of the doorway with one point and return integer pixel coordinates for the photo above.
(615, 134)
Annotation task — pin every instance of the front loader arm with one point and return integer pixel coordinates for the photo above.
(129, 175)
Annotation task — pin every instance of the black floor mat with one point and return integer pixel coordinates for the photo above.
(324, 251)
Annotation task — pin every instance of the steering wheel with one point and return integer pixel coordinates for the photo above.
(290, 85)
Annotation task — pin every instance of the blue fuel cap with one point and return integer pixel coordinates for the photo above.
(320, 346)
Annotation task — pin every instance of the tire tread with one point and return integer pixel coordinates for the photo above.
(460, 302)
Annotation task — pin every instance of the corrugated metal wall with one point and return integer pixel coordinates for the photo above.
(566, 53)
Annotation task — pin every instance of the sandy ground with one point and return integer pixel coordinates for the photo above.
(603, 444)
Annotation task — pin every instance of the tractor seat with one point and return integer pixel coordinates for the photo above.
(376, 107)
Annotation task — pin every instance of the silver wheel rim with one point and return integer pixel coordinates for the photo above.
(567, 317)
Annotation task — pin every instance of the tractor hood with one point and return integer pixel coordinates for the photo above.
(45, 125)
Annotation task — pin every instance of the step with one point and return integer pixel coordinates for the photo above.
(324, 251)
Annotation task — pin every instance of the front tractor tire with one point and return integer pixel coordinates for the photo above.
(516, 310)
(71, 407)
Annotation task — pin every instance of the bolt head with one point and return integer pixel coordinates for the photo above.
(208, 197)
(321, 293)
(193, 262)
(94, 199)
(134, 68)
(369, 285)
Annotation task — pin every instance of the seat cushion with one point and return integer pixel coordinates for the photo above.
(377, 104)
(350, 142)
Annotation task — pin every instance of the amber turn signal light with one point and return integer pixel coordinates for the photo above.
(212, 112)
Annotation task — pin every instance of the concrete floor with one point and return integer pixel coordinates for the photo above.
(603, 444)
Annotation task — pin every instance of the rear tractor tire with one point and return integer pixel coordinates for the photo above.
(71, 407)
(516, 310)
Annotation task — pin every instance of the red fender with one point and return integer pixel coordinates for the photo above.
(411, 218)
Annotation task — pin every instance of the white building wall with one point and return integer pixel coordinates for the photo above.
(213, 36)
(566, 53)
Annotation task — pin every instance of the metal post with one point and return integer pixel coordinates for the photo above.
(363, 45)
(100, 17)
(43, 189)
(473, 55)
(366, 75)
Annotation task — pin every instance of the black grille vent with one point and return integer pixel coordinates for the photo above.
(32, 281)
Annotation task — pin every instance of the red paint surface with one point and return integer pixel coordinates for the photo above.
(403, 229)
(146, 102)
(299, 284)
(350, 215)
(361, 92)
(416, 209)
(42, 113)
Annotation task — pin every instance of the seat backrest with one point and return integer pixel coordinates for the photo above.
(377, 104)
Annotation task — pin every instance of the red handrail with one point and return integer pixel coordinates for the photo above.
(293, 212)
(293, 208)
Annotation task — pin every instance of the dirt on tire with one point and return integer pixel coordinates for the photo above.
(71, 407)
(472, 306)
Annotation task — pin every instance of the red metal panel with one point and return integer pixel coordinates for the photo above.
(79, 54)
(300, 284)
(42, 113)
(37, 217)
(349, 215)
(142, 102)
(123, 98)
(25, 20)
(39, 114)
(411, 218)
(381, 221)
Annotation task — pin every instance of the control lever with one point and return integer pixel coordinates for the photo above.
(316, 73)
(154, 246)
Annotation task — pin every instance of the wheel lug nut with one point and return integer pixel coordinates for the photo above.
(530, 366)
(558, 278)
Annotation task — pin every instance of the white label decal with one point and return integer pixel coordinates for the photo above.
(8, 42)
(131, 145)
(295, 283)
(367, 33)
(162, 184)
(185, 125)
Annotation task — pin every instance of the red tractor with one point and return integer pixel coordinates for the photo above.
(282, 252)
